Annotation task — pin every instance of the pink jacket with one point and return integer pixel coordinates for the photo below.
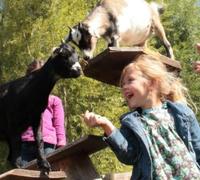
(53, 129)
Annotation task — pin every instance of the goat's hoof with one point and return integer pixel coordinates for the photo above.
(44, 166)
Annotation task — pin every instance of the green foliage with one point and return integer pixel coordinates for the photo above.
(30, 29)
(105, 162)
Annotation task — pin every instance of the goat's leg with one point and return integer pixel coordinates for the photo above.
(43, 164)
(113, 41)
(14, 156)
(160, 32)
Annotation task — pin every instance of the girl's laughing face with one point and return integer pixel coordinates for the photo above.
(135, 89)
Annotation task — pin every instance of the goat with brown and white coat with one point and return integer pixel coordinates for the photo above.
(120, 23)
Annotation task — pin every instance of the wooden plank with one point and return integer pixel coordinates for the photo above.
(85, 145)
(74, 159)
(107, 66)
(19, 174)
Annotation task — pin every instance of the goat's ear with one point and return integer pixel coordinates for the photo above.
(68, 37)
(70, 29)
(55, 51)
(80, 25)
(63, 41)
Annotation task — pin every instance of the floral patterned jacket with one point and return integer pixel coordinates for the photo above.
(130, 145)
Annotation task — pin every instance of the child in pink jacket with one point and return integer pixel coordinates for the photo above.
(53, 129)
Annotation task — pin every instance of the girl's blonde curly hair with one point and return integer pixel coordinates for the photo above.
(170, 86)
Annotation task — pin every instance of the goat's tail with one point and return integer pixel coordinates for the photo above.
(157, 8)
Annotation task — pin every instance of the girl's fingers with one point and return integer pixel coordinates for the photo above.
(90, 118)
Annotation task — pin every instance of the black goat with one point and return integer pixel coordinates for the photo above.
(23, 100)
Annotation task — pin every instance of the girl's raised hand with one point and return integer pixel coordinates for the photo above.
(93, 120)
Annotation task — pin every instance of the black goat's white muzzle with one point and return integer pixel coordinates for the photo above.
(76, 70)
(76, 67)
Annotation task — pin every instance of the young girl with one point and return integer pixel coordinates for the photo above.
(160, 136)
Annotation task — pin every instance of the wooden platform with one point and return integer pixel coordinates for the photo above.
(74, 159)
(107, 66)
(71, 162)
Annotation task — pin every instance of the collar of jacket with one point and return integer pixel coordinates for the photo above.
(179, 108)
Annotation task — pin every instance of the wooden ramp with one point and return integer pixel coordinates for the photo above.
(107, 66)
(74, 158)
(71, 162)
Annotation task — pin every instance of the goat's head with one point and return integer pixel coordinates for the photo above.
(82, 37)
(66, 63)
